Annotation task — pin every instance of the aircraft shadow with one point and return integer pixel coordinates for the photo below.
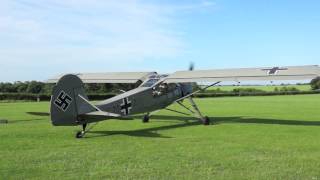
(222, 120)
(190, 121)
(38, 113)
(214, 120)
(149, 132)
(246, 120)
(23, 120)
(30, 120)
(186, 121)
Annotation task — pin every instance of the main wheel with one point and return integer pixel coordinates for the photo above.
(206, 121)
(145, 119)
(79, 135)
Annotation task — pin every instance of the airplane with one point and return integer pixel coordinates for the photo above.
(70, 105)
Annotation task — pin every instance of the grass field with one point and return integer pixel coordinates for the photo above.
(264, 88)
(275, 137)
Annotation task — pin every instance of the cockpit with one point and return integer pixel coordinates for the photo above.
(158, 88)
(152, 80)
(163, 89)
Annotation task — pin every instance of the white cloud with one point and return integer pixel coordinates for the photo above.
(59, 33)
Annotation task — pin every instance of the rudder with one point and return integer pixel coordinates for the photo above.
(66, 105)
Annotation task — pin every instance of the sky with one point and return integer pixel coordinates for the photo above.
(40, 39)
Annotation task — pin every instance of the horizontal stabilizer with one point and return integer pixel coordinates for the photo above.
(90, 109)
(103, 113)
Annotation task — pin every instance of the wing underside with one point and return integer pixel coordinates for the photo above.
(112, 77)
(246, 74)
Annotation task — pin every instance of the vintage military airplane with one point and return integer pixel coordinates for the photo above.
(70, 105)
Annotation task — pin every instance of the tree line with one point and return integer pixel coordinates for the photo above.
(315, 83)
(36, 87)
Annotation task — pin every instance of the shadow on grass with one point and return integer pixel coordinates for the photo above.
(186, 122)
(246, 120)
(222, 120)
(23, 120)
(149, 132)
(30, 120)
(190, 121)
(38, 113)
(214, 120)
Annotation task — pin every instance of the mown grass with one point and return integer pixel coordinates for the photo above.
(274, 137)
(263, 88)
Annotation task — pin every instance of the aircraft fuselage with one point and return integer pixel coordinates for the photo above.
(144, 99)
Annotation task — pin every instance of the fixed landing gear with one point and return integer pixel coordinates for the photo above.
(206, 121)
(146, 118)
(80, 134)
(196, 112)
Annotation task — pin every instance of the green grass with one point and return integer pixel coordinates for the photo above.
(276, 137)
(264, 88)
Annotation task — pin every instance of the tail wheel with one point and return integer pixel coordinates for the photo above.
(79, 135)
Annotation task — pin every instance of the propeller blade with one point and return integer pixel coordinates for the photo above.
(191, 67)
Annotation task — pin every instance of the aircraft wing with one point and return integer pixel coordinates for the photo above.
(112, 77)
(246, 74)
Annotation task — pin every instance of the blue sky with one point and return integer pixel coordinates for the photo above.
(39, 39)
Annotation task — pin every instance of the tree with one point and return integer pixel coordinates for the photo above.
(35, 87)
(315, 83)
(93, 88)
(7, 87)
(21, 86)
(47, 88)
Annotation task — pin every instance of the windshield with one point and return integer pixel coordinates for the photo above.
(150, 82)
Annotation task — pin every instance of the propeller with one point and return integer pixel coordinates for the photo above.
(191, 66)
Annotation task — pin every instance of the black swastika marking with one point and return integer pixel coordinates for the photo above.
(63, 101)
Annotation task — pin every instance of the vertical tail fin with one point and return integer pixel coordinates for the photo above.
(66, 103)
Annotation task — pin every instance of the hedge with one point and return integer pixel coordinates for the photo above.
(24, 96)
(47, 97)
(273, 93)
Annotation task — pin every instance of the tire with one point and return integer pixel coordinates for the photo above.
(79, 135)
(145, 119)
(206, 121)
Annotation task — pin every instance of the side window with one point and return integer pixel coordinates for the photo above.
(160, 90)
(172, 87)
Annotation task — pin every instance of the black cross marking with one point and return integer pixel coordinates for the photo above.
(63, 101)
(274, 70)
(126, 106)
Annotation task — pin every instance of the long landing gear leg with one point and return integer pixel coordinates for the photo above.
(80, 134)
(205, 119)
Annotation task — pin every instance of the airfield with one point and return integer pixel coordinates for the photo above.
(273, 137)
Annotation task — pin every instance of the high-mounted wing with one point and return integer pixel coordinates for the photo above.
(246, 74)
(112, 77)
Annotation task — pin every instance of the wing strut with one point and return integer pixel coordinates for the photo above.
(203, 89)
(176, 111)
(196, 111)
